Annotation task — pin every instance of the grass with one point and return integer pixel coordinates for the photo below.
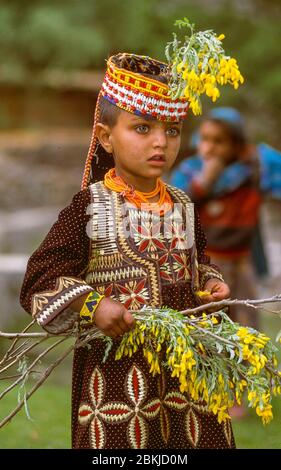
(50, 429)
(50, 411)
(250, 433)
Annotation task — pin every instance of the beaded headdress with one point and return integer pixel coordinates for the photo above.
(127, 86)
(137, 85)
(163, 91)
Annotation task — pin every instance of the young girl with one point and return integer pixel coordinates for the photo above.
(127, 240)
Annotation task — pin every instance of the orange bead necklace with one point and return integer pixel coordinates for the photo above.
(116, 183)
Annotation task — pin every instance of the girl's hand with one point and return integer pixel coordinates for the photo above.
(219, 290)
(213, 167)
(112, 318)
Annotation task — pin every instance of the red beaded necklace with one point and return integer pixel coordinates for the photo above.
(140, 198)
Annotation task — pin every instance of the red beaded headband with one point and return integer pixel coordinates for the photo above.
(141, 95)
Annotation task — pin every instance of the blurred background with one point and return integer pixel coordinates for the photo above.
(52, 62)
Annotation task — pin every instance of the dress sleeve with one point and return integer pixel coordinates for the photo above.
(54, 274)
(206, 269)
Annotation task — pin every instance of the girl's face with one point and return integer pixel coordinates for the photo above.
(216, 142)
(143, 148)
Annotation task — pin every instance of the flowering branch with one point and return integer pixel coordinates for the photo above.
(214, 358)
(199, 65)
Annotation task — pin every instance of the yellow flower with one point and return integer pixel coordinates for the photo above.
(149, 356)
(118, 355)
(252, 395)
(242, 385)
(188, 354)
(214, 320)
(265, 413)
(221, 37)
(179, 350)
(186, 330)
(196, 107)
(246, 352)
(222, 415)
(155, 368)
(212, 92)
(201, 347)
(180, 67)
(229, 73)
(242, 332)
(203, 293)
(238, 396)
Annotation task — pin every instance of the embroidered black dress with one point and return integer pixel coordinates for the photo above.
(99, 241)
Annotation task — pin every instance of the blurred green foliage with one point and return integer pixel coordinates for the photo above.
(37, 35)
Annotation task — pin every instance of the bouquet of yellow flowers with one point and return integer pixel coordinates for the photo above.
(199, 65)
(214, 359)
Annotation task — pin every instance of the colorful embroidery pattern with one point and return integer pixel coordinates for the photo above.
(181, 266)
(96, 414)
(47, 305)
(207, 272)
(158, 248)
(132, 266)
(134, 294)
(177, 401)
(165, 243)
(228, 431)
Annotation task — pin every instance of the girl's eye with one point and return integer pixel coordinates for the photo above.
(173, 131)
(142, 129)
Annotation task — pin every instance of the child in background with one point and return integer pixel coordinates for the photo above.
(226, 181)
(223, 181)
(117, 247)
